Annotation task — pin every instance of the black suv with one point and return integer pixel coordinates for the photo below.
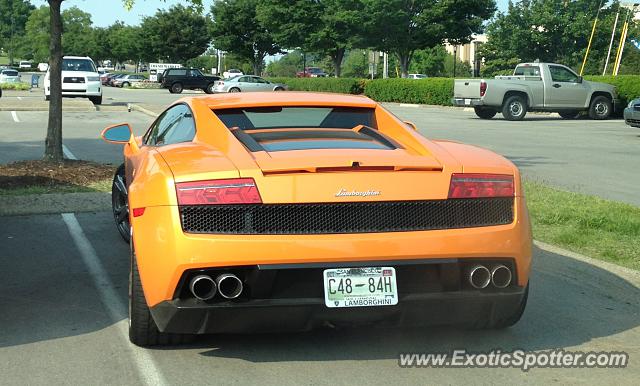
(177, 79)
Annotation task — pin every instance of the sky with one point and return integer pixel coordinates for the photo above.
(106, 12)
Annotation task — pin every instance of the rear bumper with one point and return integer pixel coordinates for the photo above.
(274, 315)
(467, 102)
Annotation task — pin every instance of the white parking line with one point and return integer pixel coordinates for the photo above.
(15, 117)
(19, 98)
(147, 368)
(67, 153)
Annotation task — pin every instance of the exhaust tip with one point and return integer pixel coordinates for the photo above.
(229, 285)
(501, 276)
(479, 276)
(203, 287)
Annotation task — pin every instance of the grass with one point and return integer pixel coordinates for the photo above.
(15, 86)
(599, 228)
(99, 186)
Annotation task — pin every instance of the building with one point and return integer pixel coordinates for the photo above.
(468, 52)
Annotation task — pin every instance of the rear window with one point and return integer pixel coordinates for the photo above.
(303, 128)
(10, 73)
(527, 71)
(297, 117)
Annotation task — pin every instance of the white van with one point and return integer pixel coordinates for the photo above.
(79, 79)
(25, 64)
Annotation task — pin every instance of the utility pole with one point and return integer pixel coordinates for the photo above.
(455, 59)
(385, 65)
(219, 62)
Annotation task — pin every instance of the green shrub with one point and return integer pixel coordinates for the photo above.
(339, 85)
(628, 86)
(15, 86)
(145, 84)
(431, 91)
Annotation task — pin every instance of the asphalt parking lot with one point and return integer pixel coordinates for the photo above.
(63, 277)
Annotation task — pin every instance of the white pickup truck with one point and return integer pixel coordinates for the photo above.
(536, 87)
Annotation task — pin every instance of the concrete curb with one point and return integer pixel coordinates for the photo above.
(54, 203)
(630, 275)
(135, 107)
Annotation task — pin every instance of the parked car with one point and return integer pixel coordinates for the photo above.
(9, 76)
(79, 79)
(111, 79)
(43, 67)
(103, 77)
(248, 83)
(128, 80)
(296, 211)
(178, 79)
(231, 73)
(632, 113)
(536, 87)
(311, 72)
(25, 64)
(416, 76)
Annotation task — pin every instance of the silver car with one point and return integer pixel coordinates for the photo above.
(248, 83)
(632, 113)
(9, 76)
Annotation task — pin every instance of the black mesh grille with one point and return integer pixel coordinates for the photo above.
(348, 217)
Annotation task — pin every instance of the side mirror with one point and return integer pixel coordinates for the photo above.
(580, 79)
(413, 126)
(121, 133)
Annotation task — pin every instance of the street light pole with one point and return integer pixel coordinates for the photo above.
(11, 43)
(613, 34)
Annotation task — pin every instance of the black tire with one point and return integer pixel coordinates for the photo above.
(507, 321)
(210, 87)
(600, 108)
(234, 89)
(278, 89)
(47, 97)
(177, 88)
(96, 100)
(143, 330)
(514, 108)
(125, 84)
(484, 112)
(120, 203)
(570, 114)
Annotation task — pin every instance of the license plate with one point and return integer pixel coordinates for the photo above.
(467, 101)
(360, 287)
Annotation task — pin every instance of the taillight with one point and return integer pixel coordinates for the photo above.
(483, 88)
(477, 185)
(217, 192)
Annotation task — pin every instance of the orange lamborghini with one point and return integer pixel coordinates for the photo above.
(286, 211)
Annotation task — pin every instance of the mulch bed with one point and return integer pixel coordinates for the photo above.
(24, 174)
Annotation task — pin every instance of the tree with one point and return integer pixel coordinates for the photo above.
(327, 27)
(177, 35)
(125, 42)
(237, 29)
(53, 142)
(37, 34)
(13, 19)
(549, 31)
(404, 26)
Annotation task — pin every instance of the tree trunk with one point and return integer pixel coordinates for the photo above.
(53, 143)
(258, 58)
(337, 61)
(404, 60)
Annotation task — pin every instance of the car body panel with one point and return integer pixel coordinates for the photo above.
(632, 113)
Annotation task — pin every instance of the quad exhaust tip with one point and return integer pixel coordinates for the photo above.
(479, 276)
(229, 285)
(203, 287)
(501, 276)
